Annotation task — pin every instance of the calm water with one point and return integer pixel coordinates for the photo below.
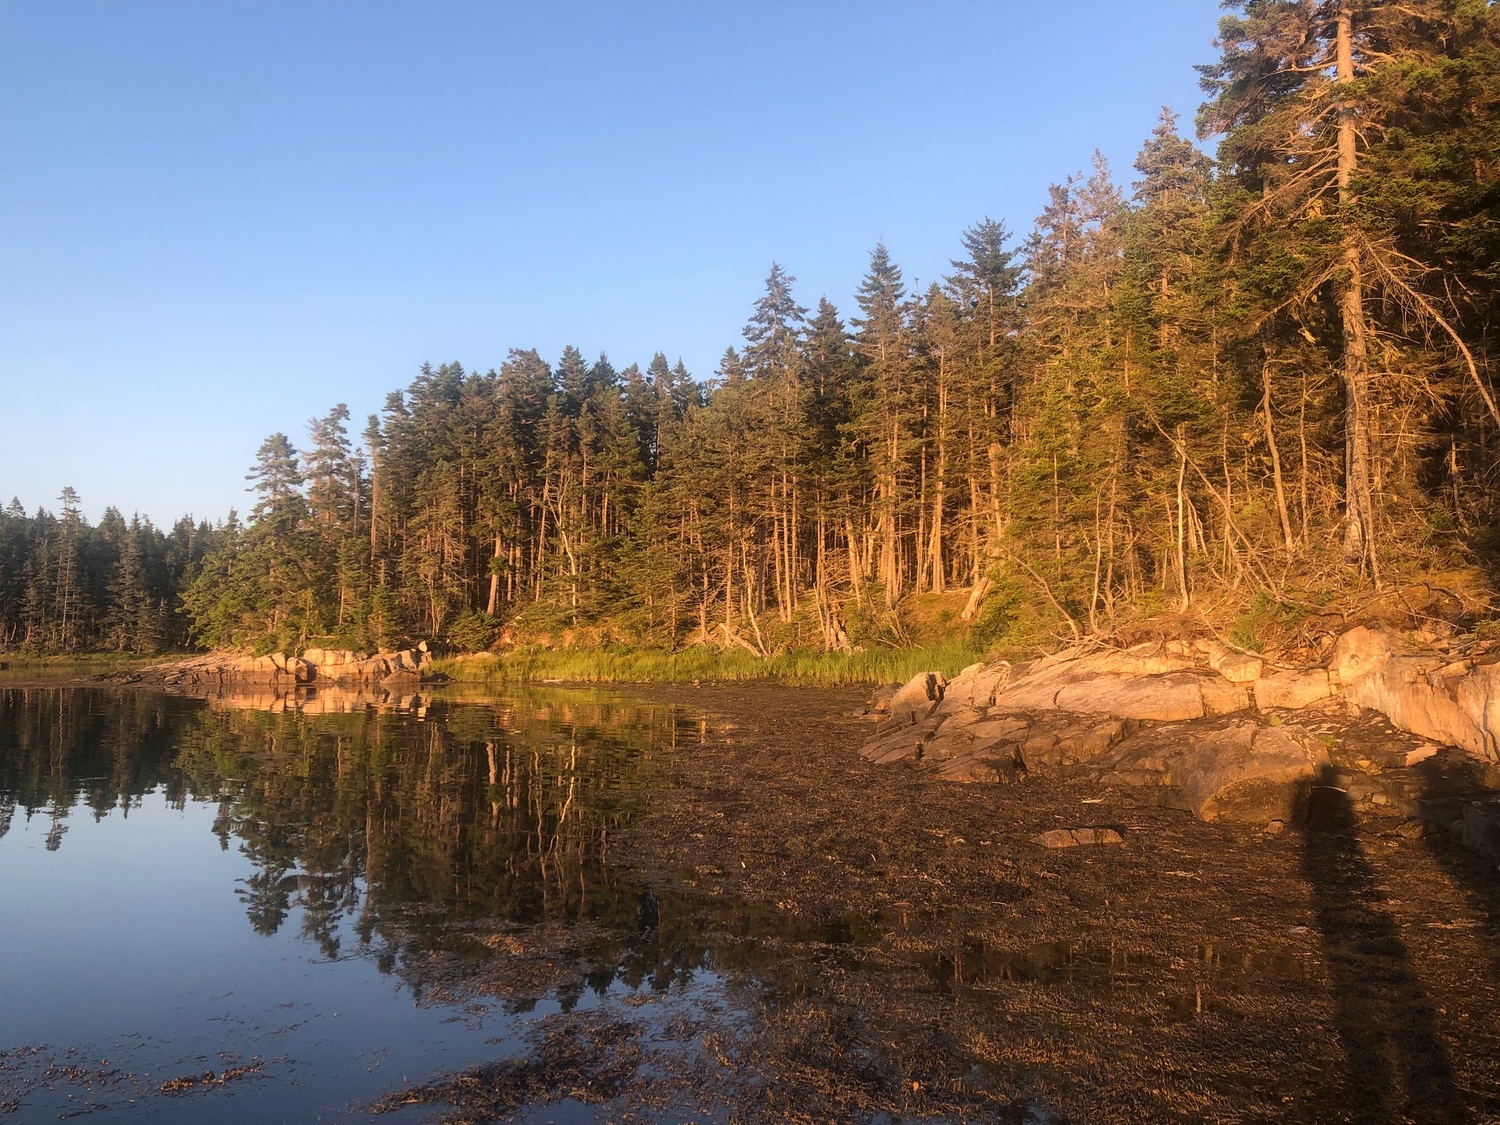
(340, 902)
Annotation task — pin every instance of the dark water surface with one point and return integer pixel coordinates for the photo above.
(279, 915)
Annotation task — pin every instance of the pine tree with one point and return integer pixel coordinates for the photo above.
(1302, 94)
(332, 475)
(884, 428)
(67, 585)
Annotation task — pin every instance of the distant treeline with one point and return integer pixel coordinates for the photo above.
(66, 586)
(1271, 373)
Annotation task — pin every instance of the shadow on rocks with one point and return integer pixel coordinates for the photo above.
(1396, 1068)
(1459, 799)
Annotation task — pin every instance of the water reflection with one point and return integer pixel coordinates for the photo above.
(467, 846)
(396, 819)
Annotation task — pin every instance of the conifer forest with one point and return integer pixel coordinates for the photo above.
(1267, 374)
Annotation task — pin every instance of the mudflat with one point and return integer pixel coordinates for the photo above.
(938, 960)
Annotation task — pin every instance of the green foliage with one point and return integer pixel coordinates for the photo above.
(704, 664)
(473, 631)
(1264, 623)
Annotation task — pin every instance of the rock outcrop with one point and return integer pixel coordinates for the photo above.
(402, 668)
(1236, 769)
(1456, 702)
(1200, 726)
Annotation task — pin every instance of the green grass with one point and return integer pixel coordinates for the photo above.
(77, 664)
(594, 666)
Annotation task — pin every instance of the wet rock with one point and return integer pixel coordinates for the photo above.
(401, 679)
(981, 769)
(956, 738)
(880, 699)
(1292, 690)
(904, 743)
(1075, 837)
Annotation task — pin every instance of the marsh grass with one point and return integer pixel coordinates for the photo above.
(819, 669)
(77, 664)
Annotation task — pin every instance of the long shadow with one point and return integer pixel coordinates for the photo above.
(1396, 1068)
(1449, 782)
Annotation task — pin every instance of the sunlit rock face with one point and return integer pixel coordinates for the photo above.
(1198, 725)
(1292, 690)
(1450, 701)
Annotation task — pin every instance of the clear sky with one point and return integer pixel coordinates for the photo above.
(218, 219)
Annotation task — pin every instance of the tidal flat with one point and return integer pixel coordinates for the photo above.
(687, 904)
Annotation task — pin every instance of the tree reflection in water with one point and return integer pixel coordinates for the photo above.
(425, 832)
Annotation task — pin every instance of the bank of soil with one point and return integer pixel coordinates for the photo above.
(935, 960)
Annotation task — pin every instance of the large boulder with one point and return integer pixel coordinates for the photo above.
(325, 659)
(1449, 701)
(1236, 770)
(1059, 740)
(974, 688)
(1145, 682)
(1236, 667)
(917, 700)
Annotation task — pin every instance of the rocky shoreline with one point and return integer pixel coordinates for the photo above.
(400, 669)
(1411, 736)
(1198, 726)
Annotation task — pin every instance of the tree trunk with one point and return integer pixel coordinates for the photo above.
(494, 602)
(1359, 507)
(1281, 505)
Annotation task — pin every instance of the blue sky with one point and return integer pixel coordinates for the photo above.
(221, 218)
